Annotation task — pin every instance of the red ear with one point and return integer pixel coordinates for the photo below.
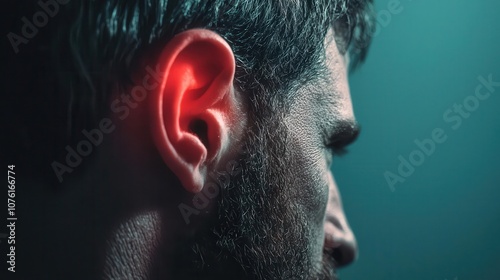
(191, 113)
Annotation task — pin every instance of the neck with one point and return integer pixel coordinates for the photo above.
(127, 210)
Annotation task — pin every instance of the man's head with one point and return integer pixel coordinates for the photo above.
(218, 122)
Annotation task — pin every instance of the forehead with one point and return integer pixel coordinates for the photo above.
(325, 102)
(337, 79)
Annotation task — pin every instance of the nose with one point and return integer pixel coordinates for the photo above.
(339, 238)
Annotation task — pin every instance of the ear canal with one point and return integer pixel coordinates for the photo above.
(200, 129)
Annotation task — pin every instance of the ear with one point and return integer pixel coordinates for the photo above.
(192, 112)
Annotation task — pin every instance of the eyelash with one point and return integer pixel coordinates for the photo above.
(336, 150)
(337, 143)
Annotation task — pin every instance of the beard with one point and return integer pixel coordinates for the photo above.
(257, 230)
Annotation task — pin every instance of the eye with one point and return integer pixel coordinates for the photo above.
(332, 151)
(341, 137)
(336, 149)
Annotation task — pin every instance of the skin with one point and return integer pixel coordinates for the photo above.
(125, 202)
(324, 108)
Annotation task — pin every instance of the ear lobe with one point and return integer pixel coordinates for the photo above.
(191, 113)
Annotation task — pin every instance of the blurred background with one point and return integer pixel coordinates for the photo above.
(443, 220)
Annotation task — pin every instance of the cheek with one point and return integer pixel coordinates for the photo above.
(308, 165)
(308, 169)
(309, 180)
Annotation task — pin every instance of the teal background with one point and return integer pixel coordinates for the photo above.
(443, 222)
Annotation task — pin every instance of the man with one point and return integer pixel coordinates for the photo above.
(191, 139)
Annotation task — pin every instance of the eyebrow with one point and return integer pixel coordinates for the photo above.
(361, 19)
(344, 134)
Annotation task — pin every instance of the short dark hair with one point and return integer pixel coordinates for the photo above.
(276, 43)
